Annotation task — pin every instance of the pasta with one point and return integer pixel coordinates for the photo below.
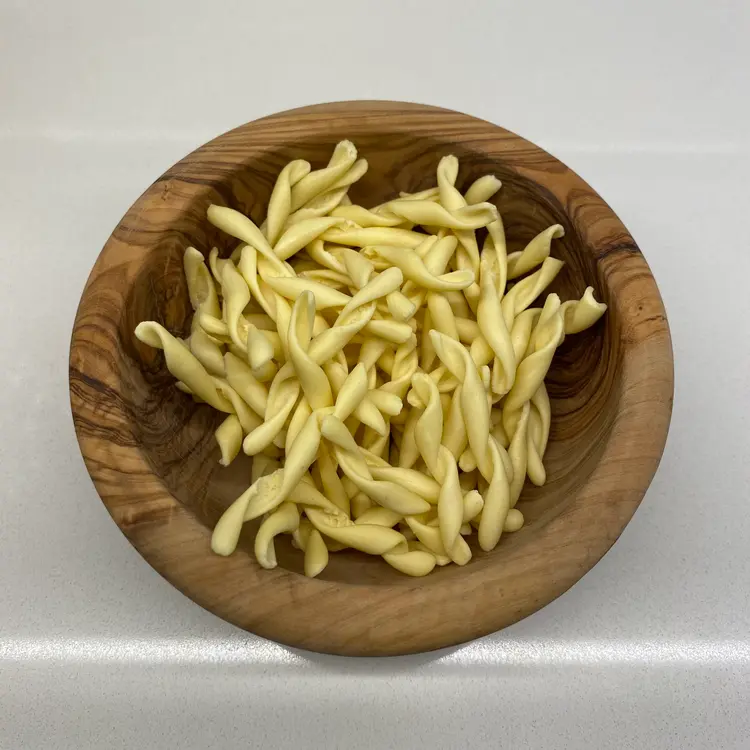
(385, 375)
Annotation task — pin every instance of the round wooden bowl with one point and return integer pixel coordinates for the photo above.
(151, 452)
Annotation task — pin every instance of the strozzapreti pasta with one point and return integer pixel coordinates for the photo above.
(386, 375)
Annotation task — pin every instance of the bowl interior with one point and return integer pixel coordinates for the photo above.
(176, 435)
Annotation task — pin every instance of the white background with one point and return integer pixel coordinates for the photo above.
(648, 101)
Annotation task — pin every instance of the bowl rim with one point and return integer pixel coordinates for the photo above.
(415, 615)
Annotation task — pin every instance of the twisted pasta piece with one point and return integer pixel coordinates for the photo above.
(533, 368)
(280, 203)
(364, 218)
(388, 494)
(183, 364)
(240, 377)
(268, 492)
(240, 226)
(321, 180)
(334, 196)
(451, 198)
(492, 324)
(201, 288)
(413, 562)
(474, 406)
(433, 214)
(535, 253)
(482, 189)
(414, 269)
(374, 236)
(431, 538)
(496, 500)
(206, 350)
(370, 538)
(323, 296)
(302, 233)
(282, 521)
(522, 294)
(282, 397)
(316, 554)
(578, 315)
(312, 379)
(229, 438)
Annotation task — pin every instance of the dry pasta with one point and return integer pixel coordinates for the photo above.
(386, 376)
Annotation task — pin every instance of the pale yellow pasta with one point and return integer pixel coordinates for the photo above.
(240, 226)
(330, 480)
(281, 521)
(412, 562)
(428, 430)
(578, 315)
(371, 538)
(262, 466)
(496, 501)
(356, 265)
(313, 380)
(441, 315)
(535, 253)
(492, 325)
(430, 536)
(326, 202)
(319, 252)
(482, 189)
(323, 295)
(455, 438)
(236, 295)
(207, 351)
(316, 554)
(302, 233)
(387, 377)
(248, 267)
(201, 287)
(533, 368)
(430, 213)
(450, 502)
(451, 198)
(229, 438)
(379, 517)
(240, 376)
(517, 452)
(248, 418)
(415, 481)
(522, 294)
(359, 504)
(514, 520)
(279, 407)
(414, 269)
(321, 180)
(388, 494)
(364, 218)
(473, 503)
(296, 422)
(374, 236)
(321, 205)
(280, 203)
(183, 364)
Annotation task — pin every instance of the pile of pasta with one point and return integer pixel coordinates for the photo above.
(386, 375)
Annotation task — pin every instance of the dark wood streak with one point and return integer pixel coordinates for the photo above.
(150, 449)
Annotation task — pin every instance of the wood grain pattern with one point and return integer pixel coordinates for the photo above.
(150, 449)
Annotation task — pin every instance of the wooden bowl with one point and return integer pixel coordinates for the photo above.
(151, 453)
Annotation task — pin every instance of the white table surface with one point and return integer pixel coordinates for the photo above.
(648, 102)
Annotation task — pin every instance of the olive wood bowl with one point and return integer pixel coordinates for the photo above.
(151, 452)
